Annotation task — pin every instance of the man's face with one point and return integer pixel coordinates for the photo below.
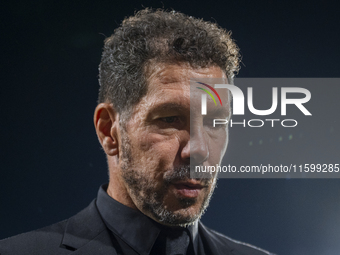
(157, 148)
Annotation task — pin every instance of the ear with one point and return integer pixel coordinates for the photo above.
(106, 122)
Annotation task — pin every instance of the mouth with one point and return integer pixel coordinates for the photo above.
(188, 188)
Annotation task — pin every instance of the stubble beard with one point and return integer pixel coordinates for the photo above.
(149, 198)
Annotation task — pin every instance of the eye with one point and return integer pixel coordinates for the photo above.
(170, 122)
(170, 119)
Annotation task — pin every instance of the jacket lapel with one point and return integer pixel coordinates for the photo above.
(86, 233)
(100, 245)
(211, 244)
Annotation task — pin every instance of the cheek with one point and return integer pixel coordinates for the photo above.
(218, 147)
(156, 149)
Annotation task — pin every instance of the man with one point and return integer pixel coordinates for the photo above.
(144, 124)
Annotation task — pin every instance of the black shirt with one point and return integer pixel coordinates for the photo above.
(135, 233)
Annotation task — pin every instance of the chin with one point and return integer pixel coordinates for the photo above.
(188, 216)
(181, 217)
(177, 211)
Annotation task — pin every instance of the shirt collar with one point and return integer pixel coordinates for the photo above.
(131, 225)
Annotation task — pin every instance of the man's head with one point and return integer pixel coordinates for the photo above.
(143, 117)
(148, 38)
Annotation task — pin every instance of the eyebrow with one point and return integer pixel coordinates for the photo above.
(177, 107)
(170, 106)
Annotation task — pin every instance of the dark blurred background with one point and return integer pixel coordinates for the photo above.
(52, 163)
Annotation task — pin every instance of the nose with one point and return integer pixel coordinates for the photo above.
(196, 150)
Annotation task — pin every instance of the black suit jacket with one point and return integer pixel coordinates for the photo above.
(86, 233)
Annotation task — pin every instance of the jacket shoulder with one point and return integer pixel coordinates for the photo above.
(37, 242)
(222, 242)
(60, 238)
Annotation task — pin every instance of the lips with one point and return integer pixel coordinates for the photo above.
(189, 189)
(189, 185)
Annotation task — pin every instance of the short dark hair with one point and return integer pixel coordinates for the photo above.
(154, 36)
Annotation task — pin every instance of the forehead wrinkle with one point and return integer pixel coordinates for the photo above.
(173, 89)
(160, 70)
(163, 72)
